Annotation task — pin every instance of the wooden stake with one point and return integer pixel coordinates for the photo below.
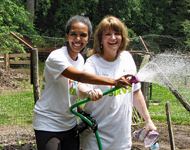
(172, 143)
(35, 75)
(144, 44)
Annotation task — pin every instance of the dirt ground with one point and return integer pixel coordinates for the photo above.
(181, 137)
(10, 137)
(11, 80)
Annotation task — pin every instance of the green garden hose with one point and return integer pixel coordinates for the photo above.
(87, 120)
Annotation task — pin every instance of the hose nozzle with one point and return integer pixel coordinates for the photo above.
(134, 79)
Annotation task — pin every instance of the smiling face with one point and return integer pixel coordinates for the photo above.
(78, 38)
(111, 41)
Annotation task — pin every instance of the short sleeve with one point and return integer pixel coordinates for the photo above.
(56, 63)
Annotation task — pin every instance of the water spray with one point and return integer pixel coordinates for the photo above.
(166, 81)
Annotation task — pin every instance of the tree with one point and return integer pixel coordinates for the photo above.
(142, 17)
(51, 16)
(120, 9)
(160, 17)
(186, 25)
(58, 12)
(13, 18)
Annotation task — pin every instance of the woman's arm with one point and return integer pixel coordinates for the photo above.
(84, 77)
(140, 105)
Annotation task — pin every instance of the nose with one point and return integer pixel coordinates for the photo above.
(113, 36)
(78, 37)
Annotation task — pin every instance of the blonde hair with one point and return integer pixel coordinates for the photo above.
(114, 23)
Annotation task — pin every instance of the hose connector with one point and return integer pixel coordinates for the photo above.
(134, 79)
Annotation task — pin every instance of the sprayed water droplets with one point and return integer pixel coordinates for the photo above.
(174, 68)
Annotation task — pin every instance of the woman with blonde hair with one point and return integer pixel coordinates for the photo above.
(114, 23)
(112, 112)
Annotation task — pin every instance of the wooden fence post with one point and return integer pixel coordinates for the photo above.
(172, 143)
(145, 85)
(6, 61)
(145, 89)
(35, 75)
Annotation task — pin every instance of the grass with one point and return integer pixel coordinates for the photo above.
(16, 108)
(41, 67)
(179, 115)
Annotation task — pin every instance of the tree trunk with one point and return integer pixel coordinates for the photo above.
(30, 8)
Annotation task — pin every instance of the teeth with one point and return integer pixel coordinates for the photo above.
(112, 42)
(77, 44)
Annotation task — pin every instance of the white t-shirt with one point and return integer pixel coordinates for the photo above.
(51, 112)
(112, 112)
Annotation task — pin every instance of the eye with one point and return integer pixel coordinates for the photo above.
(73, 34)
(108, 34)
(117, 33)
(84, 35)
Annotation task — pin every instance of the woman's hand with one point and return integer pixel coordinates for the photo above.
(149, 127)
(124, 81)
(95, 94)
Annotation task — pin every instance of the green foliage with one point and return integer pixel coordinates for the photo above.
(41, 68)
(142, 17)
(20, 3)
(20, 143)
(51, 16)
(13, 18)
(8, 44)
(186, 26)
(160, 17)
(131, 33)
(120, 9)
(59, 12)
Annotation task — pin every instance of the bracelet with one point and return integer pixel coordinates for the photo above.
(88, 92)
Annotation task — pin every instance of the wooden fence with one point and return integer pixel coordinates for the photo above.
(7, 60)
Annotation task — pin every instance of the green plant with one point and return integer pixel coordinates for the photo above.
(41, 66)
(13, 18)
(20, 143)
(1, 146)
